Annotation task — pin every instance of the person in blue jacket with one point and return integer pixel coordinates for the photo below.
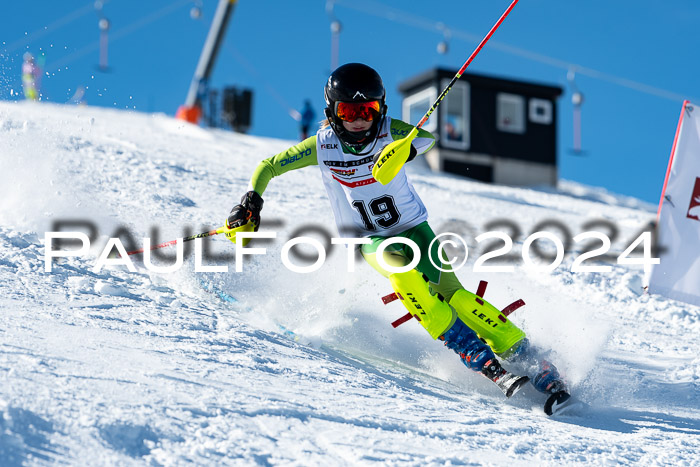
(307, 119)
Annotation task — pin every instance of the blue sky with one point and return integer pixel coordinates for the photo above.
(636, 62)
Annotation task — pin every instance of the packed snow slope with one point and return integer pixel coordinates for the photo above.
(267, 366)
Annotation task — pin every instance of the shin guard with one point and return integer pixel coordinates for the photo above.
(432, 311)
(489, 323)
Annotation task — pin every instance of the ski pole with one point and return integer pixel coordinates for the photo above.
(395, 154)
(186, 239)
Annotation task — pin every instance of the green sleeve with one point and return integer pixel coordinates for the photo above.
(423, 142)
(296, 157)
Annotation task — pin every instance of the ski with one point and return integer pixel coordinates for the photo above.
(558, 403)
(511, 383)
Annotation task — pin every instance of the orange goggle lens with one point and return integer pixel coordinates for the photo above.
(351, 111)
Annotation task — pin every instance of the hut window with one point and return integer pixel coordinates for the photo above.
(416, 105)
(510, 113)
(540, 111)
(454, 117)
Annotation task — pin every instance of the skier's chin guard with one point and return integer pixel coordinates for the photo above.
(487, 321)
(432, 311)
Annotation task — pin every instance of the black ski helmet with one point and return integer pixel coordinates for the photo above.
(354, 82)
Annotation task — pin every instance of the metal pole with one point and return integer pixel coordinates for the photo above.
(192, 108)
(335, 34)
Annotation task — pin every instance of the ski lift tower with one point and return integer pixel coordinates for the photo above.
(192, 109)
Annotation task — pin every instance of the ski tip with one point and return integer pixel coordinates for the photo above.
(557, 402)
(517, 385)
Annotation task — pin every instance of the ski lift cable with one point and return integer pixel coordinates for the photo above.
(330, 4)
(118, 34)
(59, 23)
(245, 63)
(395, 15)
(591, 73)
(233, 51)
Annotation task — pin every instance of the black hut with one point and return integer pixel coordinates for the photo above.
(490, 129)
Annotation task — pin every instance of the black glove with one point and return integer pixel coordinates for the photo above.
(248, 210)
(411, 155)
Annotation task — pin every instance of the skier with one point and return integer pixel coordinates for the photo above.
(345, 149)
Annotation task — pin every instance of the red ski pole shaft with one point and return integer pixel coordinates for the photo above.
(186, 239)
(395, 154)
(466, 64)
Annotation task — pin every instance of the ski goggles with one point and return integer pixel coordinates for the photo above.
(351, 111)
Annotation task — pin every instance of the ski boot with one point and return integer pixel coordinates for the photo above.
(478, 356)
(507, 382)
(549, 382)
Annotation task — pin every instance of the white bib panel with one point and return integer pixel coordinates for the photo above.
(362, 206)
